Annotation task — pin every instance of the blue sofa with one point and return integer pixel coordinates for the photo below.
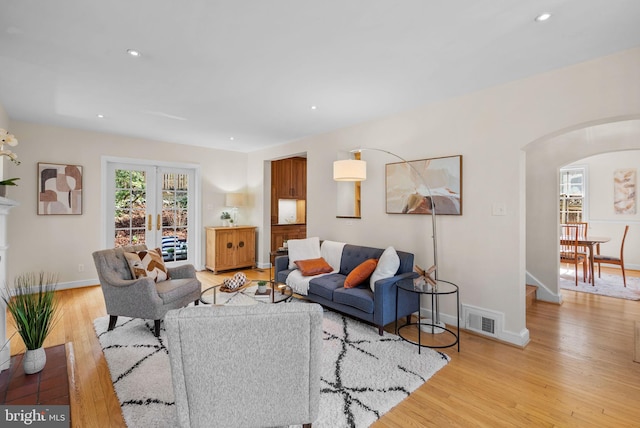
(360, 302)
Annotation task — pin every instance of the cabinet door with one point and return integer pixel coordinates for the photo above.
(299, 178)
(245, 247)
(281, 176)
(277, 238)
(225, 249)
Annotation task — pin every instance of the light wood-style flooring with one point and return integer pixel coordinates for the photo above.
(577, 371)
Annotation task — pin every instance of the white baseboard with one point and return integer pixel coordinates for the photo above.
(543, 293)
(520, 339)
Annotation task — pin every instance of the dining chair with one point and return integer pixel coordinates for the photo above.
(570, 251)
(583, 227)
(612, 260)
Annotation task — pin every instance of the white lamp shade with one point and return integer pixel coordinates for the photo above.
(350, 170)
(234, 200)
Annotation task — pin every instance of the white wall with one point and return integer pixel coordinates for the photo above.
(482, 253)
(59, 243)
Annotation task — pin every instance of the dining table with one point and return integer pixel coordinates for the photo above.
(589, 242)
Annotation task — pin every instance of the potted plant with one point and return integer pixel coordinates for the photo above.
(225, 217)
(34, 307)
(262, 287)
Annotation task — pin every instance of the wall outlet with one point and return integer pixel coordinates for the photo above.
(80, 267)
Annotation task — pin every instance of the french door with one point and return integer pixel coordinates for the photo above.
(152, 205)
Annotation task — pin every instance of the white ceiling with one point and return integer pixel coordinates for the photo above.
(252, 69)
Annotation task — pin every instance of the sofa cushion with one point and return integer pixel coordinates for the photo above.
(359, 297)
(326, 284)
(313, 266)
(387, 267)
(360, 273)
(147, 263)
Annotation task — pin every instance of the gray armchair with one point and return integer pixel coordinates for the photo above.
(142, 298)
(246, 366)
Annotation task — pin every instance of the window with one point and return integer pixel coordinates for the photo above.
(573, 194)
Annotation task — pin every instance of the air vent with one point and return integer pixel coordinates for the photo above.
(481, 321)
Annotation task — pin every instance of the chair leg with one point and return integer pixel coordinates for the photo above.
(156, 328)
(380, 330)
(624, 277)
(196, 302)
(112, 322)
(598, 270)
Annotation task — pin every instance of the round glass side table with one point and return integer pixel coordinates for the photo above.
(439, 335)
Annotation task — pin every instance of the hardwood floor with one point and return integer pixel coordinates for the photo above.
(578, 369)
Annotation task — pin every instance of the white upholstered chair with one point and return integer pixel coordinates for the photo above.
(246, 366)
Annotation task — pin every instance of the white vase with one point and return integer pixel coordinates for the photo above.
(34, 360)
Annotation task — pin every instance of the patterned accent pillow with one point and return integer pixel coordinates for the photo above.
(312, 267)
(147, 263)
(360, 273)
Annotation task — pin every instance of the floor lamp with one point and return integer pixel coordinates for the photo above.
(356, 170)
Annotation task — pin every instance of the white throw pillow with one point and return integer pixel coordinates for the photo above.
(303, 249)
(388, 265)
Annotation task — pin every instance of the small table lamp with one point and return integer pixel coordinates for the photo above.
(235, 200)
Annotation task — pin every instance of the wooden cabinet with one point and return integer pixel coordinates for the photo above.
(230, 248)
(289, 178)
(279, 234)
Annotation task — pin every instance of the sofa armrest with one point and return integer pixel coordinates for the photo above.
(281, 263)
(385, 285)
(385, 300)
(184, 271)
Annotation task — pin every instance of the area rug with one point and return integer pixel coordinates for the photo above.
(607, 285)
(364, 375)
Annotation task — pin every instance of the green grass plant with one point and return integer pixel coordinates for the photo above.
(33, 305)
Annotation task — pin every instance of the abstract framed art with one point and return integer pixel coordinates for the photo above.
(624, 191)
(59, 189)
(409, 188)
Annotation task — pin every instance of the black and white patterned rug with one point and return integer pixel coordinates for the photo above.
(364, 375)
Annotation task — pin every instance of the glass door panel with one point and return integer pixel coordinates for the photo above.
(151, 205)
(130, 207)
(175, 215)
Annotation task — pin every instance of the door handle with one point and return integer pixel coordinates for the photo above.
(158, 223)
(149, 224)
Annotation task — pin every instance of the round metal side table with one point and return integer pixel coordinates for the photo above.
(443, 288)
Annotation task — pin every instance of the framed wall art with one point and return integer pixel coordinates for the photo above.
(624, 191)
(409, 188)
(59, 189)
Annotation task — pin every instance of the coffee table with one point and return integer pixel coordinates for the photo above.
(246, 295)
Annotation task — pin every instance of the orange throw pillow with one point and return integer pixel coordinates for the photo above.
(360, 273)
(312, 267)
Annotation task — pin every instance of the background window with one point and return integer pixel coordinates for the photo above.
(572, 194)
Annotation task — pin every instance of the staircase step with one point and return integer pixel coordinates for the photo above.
(531, 294)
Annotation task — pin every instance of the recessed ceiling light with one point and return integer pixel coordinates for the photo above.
(543, 17)
(314, 107)
(231, 138)
(100, 116)
(134, 52)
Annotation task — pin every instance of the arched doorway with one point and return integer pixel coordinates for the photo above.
(544, 157)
